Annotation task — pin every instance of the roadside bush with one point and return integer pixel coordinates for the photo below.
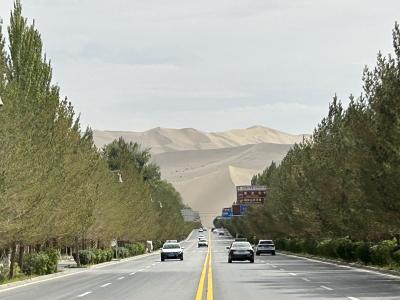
(120, 252)
(87, 257)
(54, 256)
(362, 252)
(135, 249)
(396, 257)
(282, 244)
(326, 248)
(381, 254)
(344, 249)
(310, 246)
(295, 245)
(37, 263)
(101, 256)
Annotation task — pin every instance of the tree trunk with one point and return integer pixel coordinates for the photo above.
(78, 263)
(21, 256)
(12, 263)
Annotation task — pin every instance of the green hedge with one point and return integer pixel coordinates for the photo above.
(41, 263)
(136, 248)
(384, 253)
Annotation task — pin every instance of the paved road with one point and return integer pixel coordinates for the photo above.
(270, 277)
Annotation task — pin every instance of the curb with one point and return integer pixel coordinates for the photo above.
(361, 267)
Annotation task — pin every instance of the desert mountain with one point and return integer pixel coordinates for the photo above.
(170, 140)
(205, 167)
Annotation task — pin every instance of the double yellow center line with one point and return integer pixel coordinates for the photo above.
(207, 263)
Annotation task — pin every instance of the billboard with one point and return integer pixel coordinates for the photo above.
(251, 194)
(227, 212)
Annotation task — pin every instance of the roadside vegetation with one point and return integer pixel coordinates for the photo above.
(58, 192)
(337, 193)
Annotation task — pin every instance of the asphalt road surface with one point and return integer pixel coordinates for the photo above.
(277, 277)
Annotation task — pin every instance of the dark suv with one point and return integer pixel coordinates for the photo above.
(241, 251)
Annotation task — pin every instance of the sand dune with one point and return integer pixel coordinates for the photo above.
(169, 140)
(206, 167)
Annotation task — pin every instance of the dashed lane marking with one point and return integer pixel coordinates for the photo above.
(120, 278)
(133, 273)
(84, 294)
(326, 288)
(352, 298)
(306, 279)
(106, 284)
(293, 274)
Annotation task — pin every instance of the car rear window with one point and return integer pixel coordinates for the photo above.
(171, 246)
(241, 245)
(266, 243)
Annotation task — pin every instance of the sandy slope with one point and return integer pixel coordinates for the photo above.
(167, 140)
(206, 179)
(205, 167)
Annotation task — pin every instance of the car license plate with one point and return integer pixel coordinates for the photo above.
(242, 252)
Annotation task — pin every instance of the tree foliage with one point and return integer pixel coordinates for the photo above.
(56, 187)
(344, 180)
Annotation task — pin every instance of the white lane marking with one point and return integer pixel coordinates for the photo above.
(293, 274)
(341, 266)
(141, 270)
(83, 295)
(120, 278)
(106, 284)
(133, 273)
(306, 279)
(153, 264)
(274, 266)
(148, 267)
(326, 288)
(352, 298)
(282, 269)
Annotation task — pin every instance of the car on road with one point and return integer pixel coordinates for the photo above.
(202, 243)
(171, 241)
(171, 251)
(221, 233)
(265, 246)
(200, 229)
(201, 237)
(240, 251)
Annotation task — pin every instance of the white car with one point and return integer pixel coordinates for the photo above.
(202, 243)
(265, 246)
(171, 251)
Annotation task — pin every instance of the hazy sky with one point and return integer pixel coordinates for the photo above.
(210, 64)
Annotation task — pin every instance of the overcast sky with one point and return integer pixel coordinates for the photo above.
(210, 64)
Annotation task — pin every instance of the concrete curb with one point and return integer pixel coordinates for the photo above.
(361, 267)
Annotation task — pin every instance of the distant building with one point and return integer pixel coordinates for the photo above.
(190, 215)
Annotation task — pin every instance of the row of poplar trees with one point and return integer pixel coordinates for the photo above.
(56, 187)
(345, 179)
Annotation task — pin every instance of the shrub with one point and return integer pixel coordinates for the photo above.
(344, 248)
(326, 248)
(396, 257)
(121, 252)
(362, 252)
(295, 245)
(53, 255)
(381, 254)
(87, 257)
(37, 263)
(310, 246)
(135, 249)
